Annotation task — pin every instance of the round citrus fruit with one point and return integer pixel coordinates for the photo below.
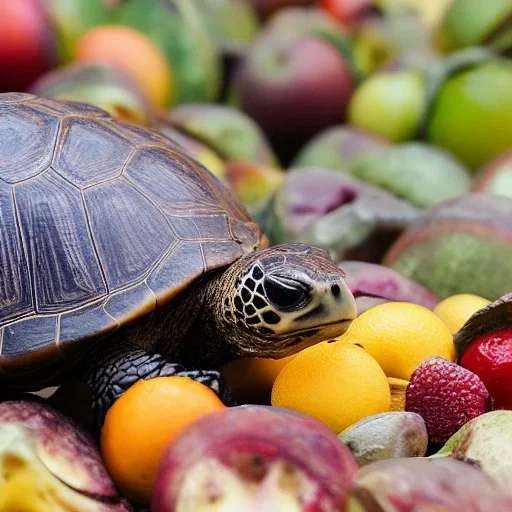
(252, 378)
(143, 422)
(401, 335)
(338, 383)
(454, 311)
(133, 52)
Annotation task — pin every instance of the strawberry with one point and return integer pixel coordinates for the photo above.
(447, 396)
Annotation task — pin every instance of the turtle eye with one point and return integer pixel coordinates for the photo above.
(286, 294)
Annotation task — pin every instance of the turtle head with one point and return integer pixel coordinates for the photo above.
(285, 298)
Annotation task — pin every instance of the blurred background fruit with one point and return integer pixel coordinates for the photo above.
(350, 219)
(471, 110)
(389, 105)
(177, 28)
(459, 246)
(102, 85)
(327, 381)
(496, 176)
(133, 52)
(348, 12)
(265, 8)
(28, 48)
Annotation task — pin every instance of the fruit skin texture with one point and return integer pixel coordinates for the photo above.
(454, 311)
(490, 357)
(133, 52)
(389, 104)
(142, 423)
(327, 382)
(400, 336)
(462, 245)
(385, 436)
(447, 396)
(27, 45)
(414, 484)
(48, 462)
(255, 458)
(487, 442)
(471, 113)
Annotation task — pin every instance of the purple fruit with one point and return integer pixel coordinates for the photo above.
(380, 282)
(255, 458)
(350, 219)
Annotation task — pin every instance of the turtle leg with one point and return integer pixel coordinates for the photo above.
(114, 370)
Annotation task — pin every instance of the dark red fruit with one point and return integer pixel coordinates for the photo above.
(447, 396)
(490, 357)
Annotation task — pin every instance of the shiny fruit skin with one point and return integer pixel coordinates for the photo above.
(490, 357)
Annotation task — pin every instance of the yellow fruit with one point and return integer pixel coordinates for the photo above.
(400, 336)
(252, 378)
(338, 383)
(454, 311)
(398, 389)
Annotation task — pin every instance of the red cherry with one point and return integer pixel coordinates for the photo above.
(490, 357)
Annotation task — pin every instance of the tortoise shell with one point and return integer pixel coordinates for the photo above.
(100, 222)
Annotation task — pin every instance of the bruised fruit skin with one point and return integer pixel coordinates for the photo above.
(447, 396)
(414, 484)
(373, 280)
(462, 245)
(326, 208)
(53, 459)
(486, 442)
(385, 436)
(255, 458)
(27, 45)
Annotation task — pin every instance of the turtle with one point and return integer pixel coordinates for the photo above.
(122, 258)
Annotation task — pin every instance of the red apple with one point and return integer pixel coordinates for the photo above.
(27, 45)
(294, 86)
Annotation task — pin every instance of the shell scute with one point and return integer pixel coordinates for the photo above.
(28, 137)
(62, 261)
(88, 152)
(136, 235)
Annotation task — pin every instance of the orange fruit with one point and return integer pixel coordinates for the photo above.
(338, 383)
(252, 378)
(400, 336)
(454, 311)
(133, 52)
(143, 422)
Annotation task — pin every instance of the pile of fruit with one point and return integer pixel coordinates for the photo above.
(376, 130)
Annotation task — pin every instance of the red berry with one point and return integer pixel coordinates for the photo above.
(447, 396)
(490, 357)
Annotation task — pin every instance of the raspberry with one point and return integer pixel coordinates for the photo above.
(490, 357)
(447, 396)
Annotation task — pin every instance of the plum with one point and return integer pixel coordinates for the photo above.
(414, 484)
(47, 462)
(255, 458)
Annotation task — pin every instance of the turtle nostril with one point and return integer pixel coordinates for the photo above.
(335, 290)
